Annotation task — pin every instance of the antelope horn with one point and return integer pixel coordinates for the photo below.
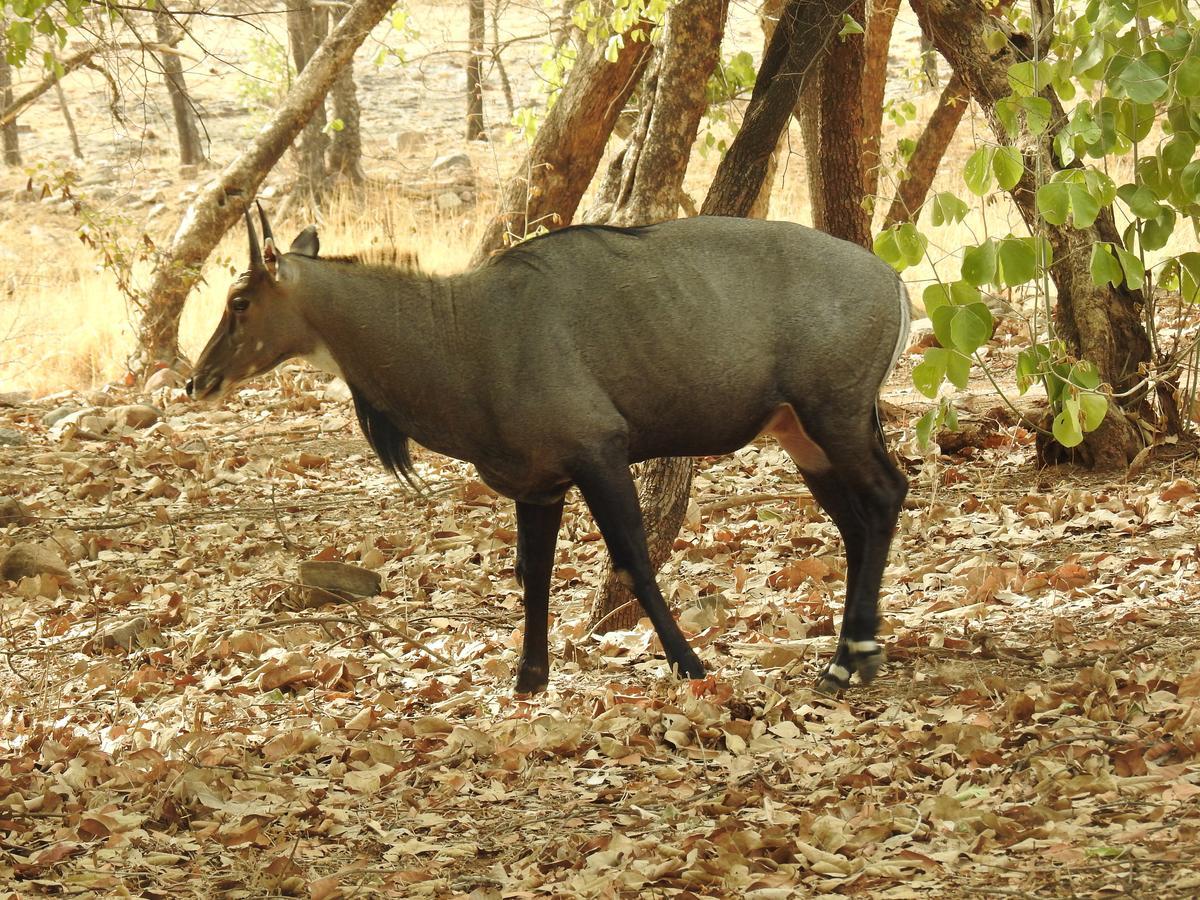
(256, 257)
(266, 226)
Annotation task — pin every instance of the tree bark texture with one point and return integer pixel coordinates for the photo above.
(805, 27)
(12, 144)
(1100, 324)
(191, 151)
(475, 31)
(931, 147)
(649, 186)
(221, 203)
(307, 25)
(877, 43)
(831, 119)
(551, 179)
(345, 147)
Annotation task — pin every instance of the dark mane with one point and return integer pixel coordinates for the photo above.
(389, 442)
(528, 252)
(380, 258)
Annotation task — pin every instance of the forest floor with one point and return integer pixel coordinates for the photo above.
(177, 720)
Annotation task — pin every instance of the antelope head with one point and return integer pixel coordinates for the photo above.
(261, 325)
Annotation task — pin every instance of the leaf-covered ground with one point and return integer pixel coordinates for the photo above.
(176, 722)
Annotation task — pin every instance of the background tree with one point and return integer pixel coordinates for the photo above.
(220, 204)
(922, 166)
(191, 151)
(345, 146)
(307, 24)
(644, 185)
(8, 131)
(475, 34)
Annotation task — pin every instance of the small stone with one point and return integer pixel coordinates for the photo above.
(26, 560)
(449, 201)
(10, 437)
(123, 635)
(156, 210)
(340, 578)
(15, 398)
(102, 175)
(103, 194)
(407, 141)
(58, 414)
(12, 512)
(163, 378)
(454, 160)
(137, 415)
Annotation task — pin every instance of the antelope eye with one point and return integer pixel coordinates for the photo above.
(239, 304)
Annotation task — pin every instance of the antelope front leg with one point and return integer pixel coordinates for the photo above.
(537, 534)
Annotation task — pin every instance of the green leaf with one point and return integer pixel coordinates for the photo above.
(888, 250)
(1187, 77)
(979, 263)
(1135, 272)
(1141, 82)
(1140, 200)
(1093, 407)
(947, 207)
(925, 426)
(1189, 277)
(1054, 202)
(978, 171)
(911, 243)
(1084, 208)
(1066, 425)
(1017, 262)
(849, 26)
(934, 297)
(971, 328)
(1008, 166)
(958, 370)
(1155, 233)
(1104, 266)
(929, 374)
(1179, 150)
(1029, 366)
(1037, 113)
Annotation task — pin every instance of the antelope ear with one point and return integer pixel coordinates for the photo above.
(306, 243)
(271, 258)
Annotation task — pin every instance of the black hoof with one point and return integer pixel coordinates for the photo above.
(532, 679)
(689, 667)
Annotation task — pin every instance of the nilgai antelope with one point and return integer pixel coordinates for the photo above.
(568, 357)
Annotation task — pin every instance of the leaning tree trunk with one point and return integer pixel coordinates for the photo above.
(12, 144)
(805, 27)
(191, 152)
(474, 70)
(550, 180)
(221, 203)
(881, 17)
(927, 156)
(1100, 324)
(345, 148)
(307, 24)
(647, 189)
(831, 119)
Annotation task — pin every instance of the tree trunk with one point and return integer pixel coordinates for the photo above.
(345, 149)
(307, 25)
(191, 152)
(497, 50)
(805, 27)
(648, 189)
(931, 147)
(475, 27)
(768, 18)
(12, 144)
(881, 17)
(550, 180)
(221, 203)
(1100, 324)
(831, 119)
(68, 120)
